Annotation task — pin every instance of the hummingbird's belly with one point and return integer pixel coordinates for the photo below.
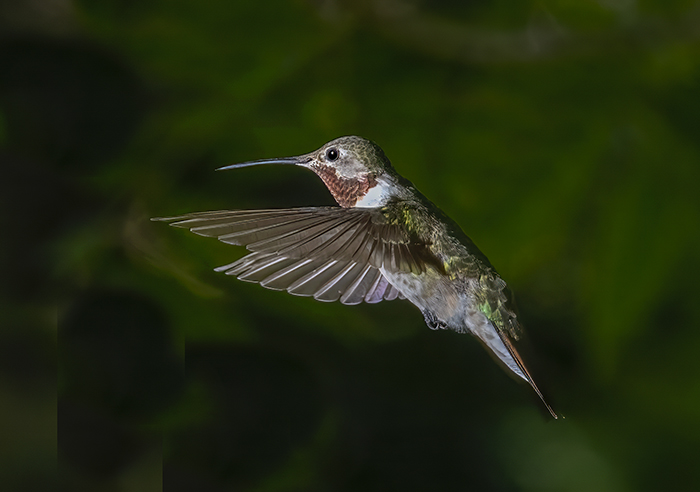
(452, 306)
(448, 300)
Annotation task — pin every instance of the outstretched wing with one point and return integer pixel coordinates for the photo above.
(329, 253)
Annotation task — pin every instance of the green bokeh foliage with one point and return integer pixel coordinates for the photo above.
(562, 136)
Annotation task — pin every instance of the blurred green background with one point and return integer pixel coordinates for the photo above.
(563, 136)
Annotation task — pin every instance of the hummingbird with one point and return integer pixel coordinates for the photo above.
(385, 241)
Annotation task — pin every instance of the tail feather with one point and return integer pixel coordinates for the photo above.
(500, 345)
(524, 373)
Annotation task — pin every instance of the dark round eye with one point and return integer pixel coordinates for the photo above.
(332, 154)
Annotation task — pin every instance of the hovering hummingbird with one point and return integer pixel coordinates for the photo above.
(385, 241)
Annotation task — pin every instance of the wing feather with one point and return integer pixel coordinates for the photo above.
(330, 253)
(290, 276)
(376, 292)
(336, 286)
(355, 294)
(391, 293)
(283, 278)
(311, 283)
(261, 269)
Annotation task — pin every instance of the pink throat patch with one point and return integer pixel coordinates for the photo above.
(346, 191)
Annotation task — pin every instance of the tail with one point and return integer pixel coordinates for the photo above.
(502, 347)
(499, 327)
(523, 372)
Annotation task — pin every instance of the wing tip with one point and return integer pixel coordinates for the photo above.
(172, 221)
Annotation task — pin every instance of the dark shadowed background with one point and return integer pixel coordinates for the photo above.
(562, 136)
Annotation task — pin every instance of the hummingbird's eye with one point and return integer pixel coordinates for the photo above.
(332, 154)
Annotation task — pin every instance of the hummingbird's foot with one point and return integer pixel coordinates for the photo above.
(433, 322)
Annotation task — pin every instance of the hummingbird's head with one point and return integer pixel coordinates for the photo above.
(349, 167)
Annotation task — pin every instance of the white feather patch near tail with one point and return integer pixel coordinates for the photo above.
(489, 336)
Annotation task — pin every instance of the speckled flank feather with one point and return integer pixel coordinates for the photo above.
(493, 303)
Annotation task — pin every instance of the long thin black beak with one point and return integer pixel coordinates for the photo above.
(298, 160)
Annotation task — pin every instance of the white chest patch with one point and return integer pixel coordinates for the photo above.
(377, 196)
